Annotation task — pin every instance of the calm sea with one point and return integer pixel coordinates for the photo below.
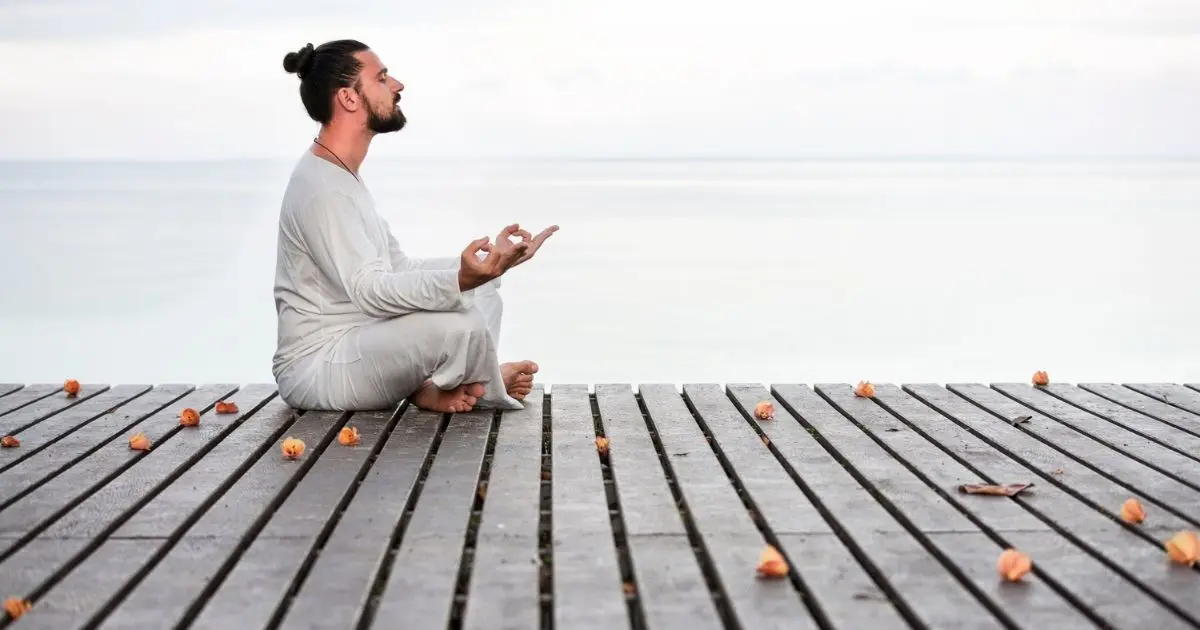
(663, 271)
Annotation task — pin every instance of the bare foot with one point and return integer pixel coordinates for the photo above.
(461, 399)
(518, 378)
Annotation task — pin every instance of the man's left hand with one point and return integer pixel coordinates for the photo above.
(535, 242)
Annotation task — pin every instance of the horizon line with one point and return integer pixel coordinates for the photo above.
(648, 158)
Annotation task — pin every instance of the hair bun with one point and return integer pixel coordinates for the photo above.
(299, 62)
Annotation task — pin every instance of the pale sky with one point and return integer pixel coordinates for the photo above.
(169, 80)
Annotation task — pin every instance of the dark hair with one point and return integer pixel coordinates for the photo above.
(323, 71)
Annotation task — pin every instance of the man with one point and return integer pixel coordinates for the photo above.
(361, 324)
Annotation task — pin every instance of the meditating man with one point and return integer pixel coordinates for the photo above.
(362, 325)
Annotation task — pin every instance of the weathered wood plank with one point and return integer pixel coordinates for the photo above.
(1144, 481)
(37, 436)
(1121, 439)
(1050, 463)
(25, 570)
(29, 395)
(338, 586)
(216, 505)
(670, 581)
(1179, 397)
(1149, 417)
(731, 538)
(8, 388)
(420, 589)
(44, 460)
(1063, 565)
(903, 570)
(196, 564)
(504, 581)
(253, 589)
(587, 576)
(21, 418)
(1088, 512)
(1182, 395)
(73, 465)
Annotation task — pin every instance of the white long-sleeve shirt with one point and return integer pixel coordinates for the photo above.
(338, 265)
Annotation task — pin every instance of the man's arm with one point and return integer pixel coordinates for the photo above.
(402, 261)
(332, 226)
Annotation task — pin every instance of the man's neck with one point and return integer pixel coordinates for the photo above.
(343, 146)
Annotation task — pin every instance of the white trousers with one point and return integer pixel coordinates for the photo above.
(376, 366)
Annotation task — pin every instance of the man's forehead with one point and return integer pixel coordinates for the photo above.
(372, 64)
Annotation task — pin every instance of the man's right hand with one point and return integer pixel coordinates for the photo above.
(501, 257)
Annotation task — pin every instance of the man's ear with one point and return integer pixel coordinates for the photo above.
(349, 99)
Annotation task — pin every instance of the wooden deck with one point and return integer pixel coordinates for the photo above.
(518, 520)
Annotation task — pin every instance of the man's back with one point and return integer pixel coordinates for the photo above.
(313, 308)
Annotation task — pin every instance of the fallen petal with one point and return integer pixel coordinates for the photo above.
(1132, 511)
(1183, 548)
(139, 442)
(348, 436)
(15, 607)
(292, 447)
(1013, 565)
(771, 563)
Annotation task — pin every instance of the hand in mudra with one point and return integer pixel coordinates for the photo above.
(501, 256)
(534, 242)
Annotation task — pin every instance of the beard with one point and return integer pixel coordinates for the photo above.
(393, 120)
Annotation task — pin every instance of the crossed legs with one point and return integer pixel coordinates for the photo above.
(440, 361)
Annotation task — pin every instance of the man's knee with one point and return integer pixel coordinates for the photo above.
(468, 322)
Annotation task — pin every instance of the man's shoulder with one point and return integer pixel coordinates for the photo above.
(309, 192)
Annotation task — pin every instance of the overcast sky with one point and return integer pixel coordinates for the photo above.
(168, 79)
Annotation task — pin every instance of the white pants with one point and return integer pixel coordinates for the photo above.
(375, 366)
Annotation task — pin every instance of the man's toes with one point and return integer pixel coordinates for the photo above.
(474, 389)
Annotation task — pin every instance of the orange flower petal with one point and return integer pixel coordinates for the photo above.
(348, 436)
(1183, 548)
(189, 417)
(864, 389)
(139, 442)
(10, 441)
(1013, 565)
(292, 447)
(771, 563)
(1132, 511)
(764, 410)
(1040, 378)
(15, 607)
(602, 445)
(71, 386)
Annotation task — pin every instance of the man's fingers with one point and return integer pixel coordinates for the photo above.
(516, 252)
(509, 230)
(545, 234)
(477, 245)
(524, 234)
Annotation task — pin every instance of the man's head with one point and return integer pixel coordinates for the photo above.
(345, 80)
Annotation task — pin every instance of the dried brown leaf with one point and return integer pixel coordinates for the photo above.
(1008, 490)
